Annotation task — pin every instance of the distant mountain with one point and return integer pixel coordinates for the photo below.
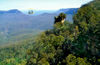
(10, 11)
(62, 10)
(71, 11)
(14, 20)
(67, 11)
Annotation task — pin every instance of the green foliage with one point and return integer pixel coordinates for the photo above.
(87, 43)
(16, 51)
(12, 61)
(66, 44)
(57, 46)
(49, 44)
(72, 60)
(17, 36)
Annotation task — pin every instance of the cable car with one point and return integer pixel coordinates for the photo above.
(30, 11)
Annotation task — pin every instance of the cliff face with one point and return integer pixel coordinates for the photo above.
(60, 18)
(62, 21)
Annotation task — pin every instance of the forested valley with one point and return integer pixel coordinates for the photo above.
(76, 43)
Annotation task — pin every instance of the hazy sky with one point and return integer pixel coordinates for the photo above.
(40, 4)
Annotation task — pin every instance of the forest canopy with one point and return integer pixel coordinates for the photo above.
(76, 43)
(68, 43)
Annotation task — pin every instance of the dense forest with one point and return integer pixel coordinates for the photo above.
(76, 43)
(7, 38)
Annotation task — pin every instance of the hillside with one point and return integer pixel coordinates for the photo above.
(18, 33)
(17, 36)
(13, 21)
(76, 43)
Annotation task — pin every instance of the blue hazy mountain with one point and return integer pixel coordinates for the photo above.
(13, 20)
(67, 11)
(16, 21)
(71, 11)
(62, 10)
(10, 11)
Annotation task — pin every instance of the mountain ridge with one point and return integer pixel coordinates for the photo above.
(67, 10)
(10, 11)
(14, 21)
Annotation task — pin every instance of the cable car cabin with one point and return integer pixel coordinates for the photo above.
(30, 12)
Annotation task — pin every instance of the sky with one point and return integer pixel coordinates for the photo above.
(41, 4)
